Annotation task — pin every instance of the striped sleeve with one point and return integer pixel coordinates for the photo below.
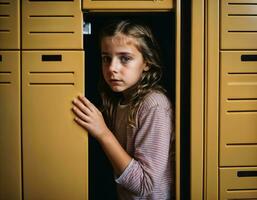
(152, 147)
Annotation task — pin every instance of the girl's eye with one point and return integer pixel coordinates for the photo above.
(125, 59)
(106, 59)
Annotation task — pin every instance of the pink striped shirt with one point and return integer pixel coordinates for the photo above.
(150, 173)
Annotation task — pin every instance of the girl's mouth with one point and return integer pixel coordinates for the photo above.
(115, 81)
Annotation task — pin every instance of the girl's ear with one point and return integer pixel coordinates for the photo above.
(146, 68)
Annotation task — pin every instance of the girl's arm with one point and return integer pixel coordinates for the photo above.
(91, 119)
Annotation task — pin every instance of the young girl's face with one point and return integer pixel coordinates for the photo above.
(122, 63)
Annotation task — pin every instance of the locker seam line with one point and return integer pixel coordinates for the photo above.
(204, 98)
(21, 120)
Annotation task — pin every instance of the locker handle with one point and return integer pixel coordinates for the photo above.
(246, 173)
(248, 58)
(0, 58)
(46, 58)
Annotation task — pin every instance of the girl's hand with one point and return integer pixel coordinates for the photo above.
(89, 117)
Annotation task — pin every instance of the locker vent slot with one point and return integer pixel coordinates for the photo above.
(5, 31)
(242, 31)
(5, 72)
(5, 83)
(51, 58)
(5, 78)
(241, 3)
(241, 15)
(241, 144)
(242, 189)
(242, 99)
(0, 58)
(246, 173)
(35, 16)
(238, 73)
(52, 78)
(53, 72)
(249, 58)
(240, 111)
(4, 3)
(39, 32)
(51, 83)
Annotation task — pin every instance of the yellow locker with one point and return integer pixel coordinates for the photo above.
(128, 4)
(54, 146)
(9, 24)
(52, 24)
(238, 114)
(238, 24)
(10, 133)
(238, 183)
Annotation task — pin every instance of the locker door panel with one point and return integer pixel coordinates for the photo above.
(54, 146)
(10, 137)
(238, 24)
(9, 24)
(52, 24)
(238, 183)
(238, 112)
(128, 4)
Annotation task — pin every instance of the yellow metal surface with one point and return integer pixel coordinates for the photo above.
(232, 186)
(128, 4)
(55, 148)
(238, 24)
(212, 101)
(238, 110)
(10, 133)
(9, 24)
(52, 25)
(197, 100)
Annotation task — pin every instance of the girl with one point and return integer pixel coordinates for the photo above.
(138, 138)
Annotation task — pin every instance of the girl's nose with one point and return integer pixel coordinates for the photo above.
(114, 66)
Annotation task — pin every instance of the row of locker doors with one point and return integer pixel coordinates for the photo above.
(45, 24)
(43, 149)
(55, 24)
(238, 151)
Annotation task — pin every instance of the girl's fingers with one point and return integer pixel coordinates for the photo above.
(81, 115)
(81, 122)
(80, 105)
(87, 103)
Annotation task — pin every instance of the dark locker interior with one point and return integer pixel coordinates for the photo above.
(101, 181)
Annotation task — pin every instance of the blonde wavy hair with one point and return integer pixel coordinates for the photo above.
(147, 45)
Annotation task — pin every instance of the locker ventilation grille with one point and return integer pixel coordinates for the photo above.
(242, 189)
(5, 3)
(5, 77)
(51, 78)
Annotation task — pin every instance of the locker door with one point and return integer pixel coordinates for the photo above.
(238, 24)
(52, 24)
(54, 146)
(238, 114)
(238, 183)
(9, 24)
(128, 4)
(10, 133)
